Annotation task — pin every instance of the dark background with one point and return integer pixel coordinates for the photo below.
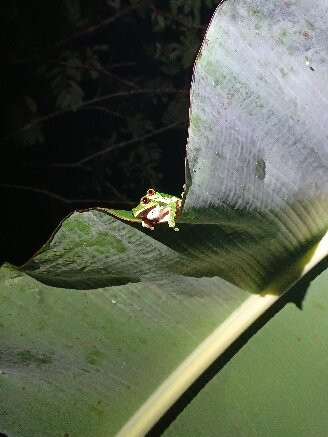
(94, 108)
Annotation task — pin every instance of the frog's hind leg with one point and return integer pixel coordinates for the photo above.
(172, 216)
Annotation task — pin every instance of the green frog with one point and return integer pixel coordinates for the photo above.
(155, 207)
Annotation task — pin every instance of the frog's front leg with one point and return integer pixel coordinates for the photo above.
(174, 206)
(147, 224)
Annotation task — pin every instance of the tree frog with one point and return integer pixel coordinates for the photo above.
(155, 207)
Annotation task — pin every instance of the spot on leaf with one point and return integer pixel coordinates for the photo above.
(260, 170)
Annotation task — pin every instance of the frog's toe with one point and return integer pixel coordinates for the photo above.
(147, 225)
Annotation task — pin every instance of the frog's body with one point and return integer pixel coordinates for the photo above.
(156, 208)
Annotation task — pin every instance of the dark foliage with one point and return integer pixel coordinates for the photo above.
(95, 99)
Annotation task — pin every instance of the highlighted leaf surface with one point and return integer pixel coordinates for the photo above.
(276, 384)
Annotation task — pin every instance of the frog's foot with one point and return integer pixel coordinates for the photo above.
(172, 225)
(147, 224)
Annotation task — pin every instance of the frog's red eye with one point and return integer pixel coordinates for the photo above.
(145, 200)
(151, 192)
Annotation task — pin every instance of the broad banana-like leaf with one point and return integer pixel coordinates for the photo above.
(276, 385)
(105, 327)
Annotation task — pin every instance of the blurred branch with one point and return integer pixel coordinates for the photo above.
(178, 20)
(132, 92)
(84, 32)
(109, 185)
(118, 194)
(92, 67)
(108, 111)
(63, 199)
(98, 26)
(123, 64)
(119, 79)
(89, 102)
(125, 143)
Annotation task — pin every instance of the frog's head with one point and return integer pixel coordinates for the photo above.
(147, 203)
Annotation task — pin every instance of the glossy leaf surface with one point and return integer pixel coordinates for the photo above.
(276, 384)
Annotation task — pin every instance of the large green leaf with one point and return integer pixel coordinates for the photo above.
(257, 152)
(109, 319)
(276, 385)
(82, 361)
